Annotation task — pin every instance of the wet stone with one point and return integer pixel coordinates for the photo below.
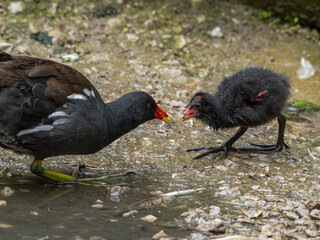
(315, 214)
(231, 192)
(160, 235)
(15, 7)
(253, 213)
(97, 205)
(313, 204)
(97, 238)
(215, 226)
(6, 47)
(70, 57)
(197, 236)
(302, 211)
(289, 206)
(274, 198)
(214, 211)
(7, 192)
(311, 233)
(132, 212)
(3, 203)
(291, 215)
(149, 218)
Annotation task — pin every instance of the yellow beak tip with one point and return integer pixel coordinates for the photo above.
(166, 119)
(183, 117)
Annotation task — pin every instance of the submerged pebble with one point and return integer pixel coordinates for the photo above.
(3, 203)
(149, 218)
(7, 192)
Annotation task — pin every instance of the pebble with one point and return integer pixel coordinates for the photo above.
(197, 236)
(7, 192)
(160, 235)
(302, 211)
(15, 7)
(311, 233)
(132, 212)
(23, 49)
(231, 192)
(318, 149)
(291, 215)
(149, 218)
(214, 211)
(5, 225)
(201, 18)
(216, 32)
(179, 41)
(72, 57)
(114, 22)
(315, 214)
(97, 205)
(97, 238)
(3, 203)
(34, 213)
(215, 226)
(4, 46)
(132, 37)
(251, 213)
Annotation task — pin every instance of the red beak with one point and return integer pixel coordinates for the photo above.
(160, 114)
(189, 113)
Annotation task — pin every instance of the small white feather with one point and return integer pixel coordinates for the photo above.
(60, 121)
(58, 114)
(92, 93)
(77, 96)
(36, 129)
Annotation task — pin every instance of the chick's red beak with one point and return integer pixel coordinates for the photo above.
(160, 114)
(189, 113)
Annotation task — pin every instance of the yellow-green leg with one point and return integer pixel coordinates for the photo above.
(36, 168)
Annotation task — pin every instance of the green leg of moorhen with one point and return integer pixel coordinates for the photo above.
(36, 168)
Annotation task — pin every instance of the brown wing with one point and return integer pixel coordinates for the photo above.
(32, 88)
(58, 80)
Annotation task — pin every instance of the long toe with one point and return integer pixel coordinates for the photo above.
(264, 149)
(199, 149)
(213, 150)
(262, 145)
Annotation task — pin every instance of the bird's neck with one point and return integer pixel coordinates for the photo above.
(215, 118)
(120, 119)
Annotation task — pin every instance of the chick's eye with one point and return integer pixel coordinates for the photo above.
(197, 105)
(149, 106)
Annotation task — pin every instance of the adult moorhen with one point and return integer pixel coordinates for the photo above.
(248, 98)
(50, 109)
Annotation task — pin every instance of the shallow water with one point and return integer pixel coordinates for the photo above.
(141, 52)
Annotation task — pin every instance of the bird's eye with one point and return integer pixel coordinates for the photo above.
(197, 105)
(149, 106)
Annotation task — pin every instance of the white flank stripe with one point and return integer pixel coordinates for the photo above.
(60, 121)
(58, 114)
(92, 93)
(77, 96)
(36, 129)
(88, 92)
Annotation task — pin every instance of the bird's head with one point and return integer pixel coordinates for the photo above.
(199, 106)
(145, 107)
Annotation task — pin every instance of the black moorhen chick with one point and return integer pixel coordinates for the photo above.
(50, 109)
(249, 98)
